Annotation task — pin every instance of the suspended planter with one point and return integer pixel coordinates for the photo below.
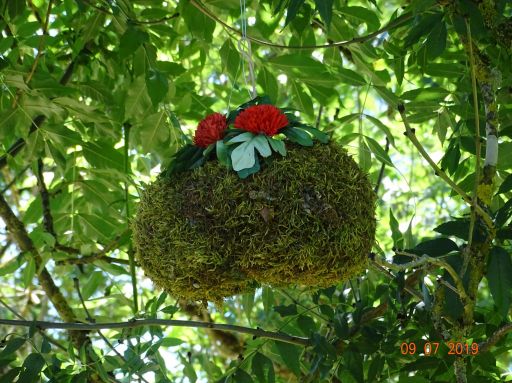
(255, 201)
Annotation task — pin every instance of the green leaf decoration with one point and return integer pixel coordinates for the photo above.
(277, 145)
(247, 136)
(244, 173)
(499, 272)
(319, 135)
(262, 146)
(243, 156)
(298, 136)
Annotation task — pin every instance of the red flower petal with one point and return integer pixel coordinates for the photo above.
(266, 119)
(210, 130)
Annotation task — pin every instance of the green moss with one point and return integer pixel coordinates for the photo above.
(307, 219)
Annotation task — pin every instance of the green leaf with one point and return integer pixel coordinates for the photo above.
(199, 24)
(348, 76)
(132, 39)
(243, 137)
(302, 100)
(290, 355)
(277, 145)
(243, 157)
(319, 135)
(263, 368)
(31, 368)
(506, 185)
(92, 284)
(230, 59)
(375, 369)
(396, 234)
(499, 276)
(380, 125)
(423, 27)
(157, 86)
(248, 304)
(29, 272)
(444, 70)
(292, 10)
(362, 15)
(378, 151)
(240, 376)
(436, 41)
(324, 7)
(261, 145)
(154, 131)
(286, 310)
(436, 247)
(171, 342)
(221, 151)
(244, 173)
(269, 83)
(298, 136)
(458, 228)
(13, 344)
(12, 265)
(101, 155)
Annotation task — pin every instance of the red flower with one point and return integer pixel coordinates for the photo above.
(210, 130)
(265, 119)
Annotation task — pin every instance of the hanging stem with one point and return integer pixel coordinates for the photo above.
(131, 258)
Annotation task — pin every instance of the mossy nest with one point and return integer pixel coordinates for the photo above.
(307, 218)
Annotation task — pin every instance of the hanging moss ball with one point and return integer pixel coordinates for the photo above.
(307, 218)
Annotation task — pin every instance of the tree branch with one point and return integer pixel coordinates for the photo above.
(410, 133)
(495, 338)
(20, 235)
(399, 21)
(279, 336)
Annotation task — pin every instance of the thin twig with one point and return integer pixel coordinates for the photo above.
(392, 25)
(410, 133)
(495, 337)
(381, 171)
(90, 319)
(381, 269)
(425, 259)
(279, 336)
(45, 199)
(15, 178)
(477, 142)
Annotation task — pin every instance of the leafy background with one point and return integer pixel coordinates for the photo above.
(96, 97)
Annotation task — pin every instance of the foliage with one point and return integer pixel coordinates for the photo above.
(98, 96)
